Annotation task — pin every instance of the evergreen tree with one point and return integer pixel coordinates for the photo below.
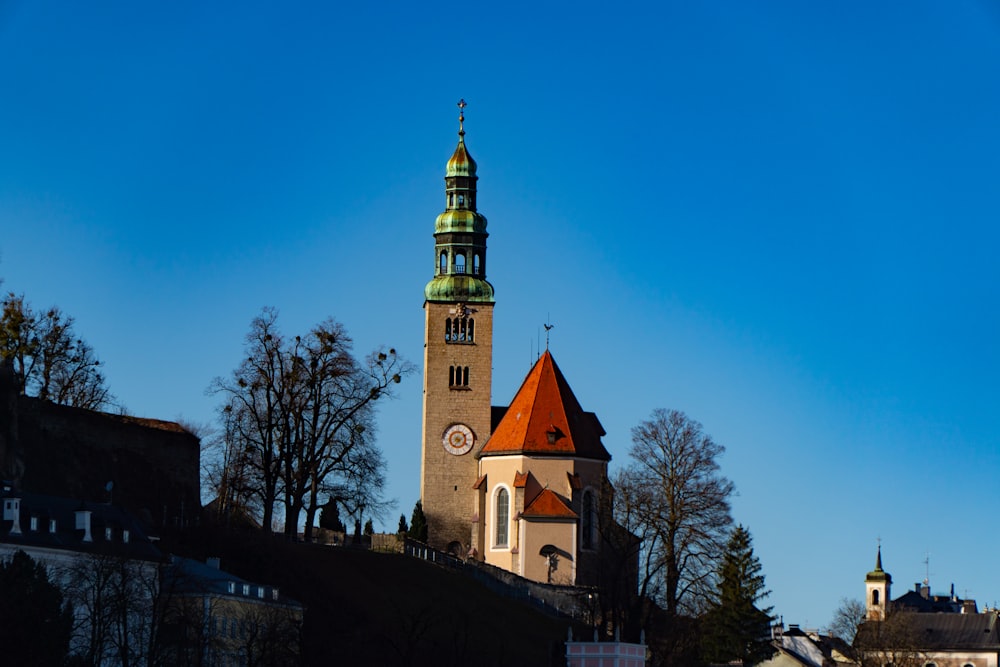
(35, 625)
(329, 517)
(369, 527)
(735, 628)
(403, 528)
(418, 524)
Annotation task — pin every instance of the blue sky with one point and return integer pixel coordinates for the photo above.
(778, 217)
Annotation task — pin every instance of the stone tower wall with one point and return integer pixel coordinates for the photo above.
(446, 479)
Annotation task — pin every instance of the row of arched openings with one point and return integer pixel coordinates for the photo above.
(459, 330)
(460, 198)
(458, 376)
(460, 266)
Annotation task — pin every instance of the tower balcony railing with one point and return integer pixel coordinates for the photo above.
(461, 270)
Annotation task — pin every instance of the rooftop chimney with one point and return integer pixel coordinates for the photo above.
(83, 523)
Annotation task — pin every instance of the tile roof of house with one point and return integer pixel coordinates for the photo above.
(548, 505)
(108, 526)
(546, 419)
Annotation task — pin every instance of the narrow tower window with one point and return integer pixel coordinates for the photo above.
(461, 200)
(465, 376)
(587, 520)
(451, 376)
(472, 331)
(502, 517)
(475, 264)
(875, 597)
(463, 324)
(460, 263)
(447, 329)
(443, 263)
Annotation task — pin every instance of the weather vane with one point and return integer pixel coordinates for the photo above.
(461, 117)
(548, 328)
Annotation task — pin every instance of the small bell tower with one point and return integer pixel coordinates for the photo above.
(878, 584)
(458, 357)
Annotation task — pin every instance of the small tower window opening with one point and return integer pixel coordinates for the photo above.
(471, 337)
(458, 376)
(447, 330)
(475, 264)
(463, 325)
(460, 263)
(461, 200)
(459, 330)
(875, 597)
(587, 520)
(443, 263)
(451, 199)
(502, 517)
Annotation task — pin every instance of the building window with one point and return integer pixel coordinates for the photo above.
(587, 520)
(475, 264)
(443, 263)
(461, 200)
(502, 517)
(125, 536)
(875, 597)
(459, 262)
(458, 376)
(52, 525)
(459, 330)
(34, 523)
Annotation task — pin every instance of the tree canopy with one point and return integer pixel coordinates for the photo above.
(35, 623)
(672, 496)
(298, 423)
(49, 360)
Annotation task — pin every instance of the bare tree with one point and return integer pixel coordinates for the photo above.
(49, 360)
(672, 497)
(113, 599)
(846, 619)
(894, 641)
(295, 414)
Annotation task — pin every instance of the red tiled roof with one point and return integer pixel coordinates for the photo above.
(545, 418)
(547, 504)
(479, 482)
(520, 480)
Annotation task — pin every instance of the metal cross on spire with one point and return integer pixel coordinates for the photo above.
(461, 117)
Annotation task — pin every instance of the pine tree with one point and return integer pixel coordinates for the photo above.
(735, 628)
(403, 528)
(418, 524)
(329, 517)
(369, 527)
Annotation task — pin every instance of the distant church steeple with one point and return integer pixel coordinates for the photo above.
(878, 584)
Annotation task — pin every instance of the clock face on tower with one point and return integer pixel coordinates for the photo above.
(458, 439)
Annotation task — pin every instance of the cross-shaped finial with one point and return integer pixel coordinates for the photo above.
(461, 117)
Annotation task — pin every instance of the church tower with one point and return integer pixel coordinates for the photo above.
(458, 357)
(877, 591)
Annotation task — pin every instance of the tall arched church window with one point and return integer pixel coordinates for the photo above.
(471, 337)
(502, 518)
(443, 263)
(475, 264)
(463, 325)
(587, 520)
(447, 329)
(460, 263)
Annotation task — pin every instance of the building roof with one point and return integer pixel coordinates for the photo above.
(112, 530)
(878, 574)
(185, 576)
(547, 505)
(939, 631)
(546, 419)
